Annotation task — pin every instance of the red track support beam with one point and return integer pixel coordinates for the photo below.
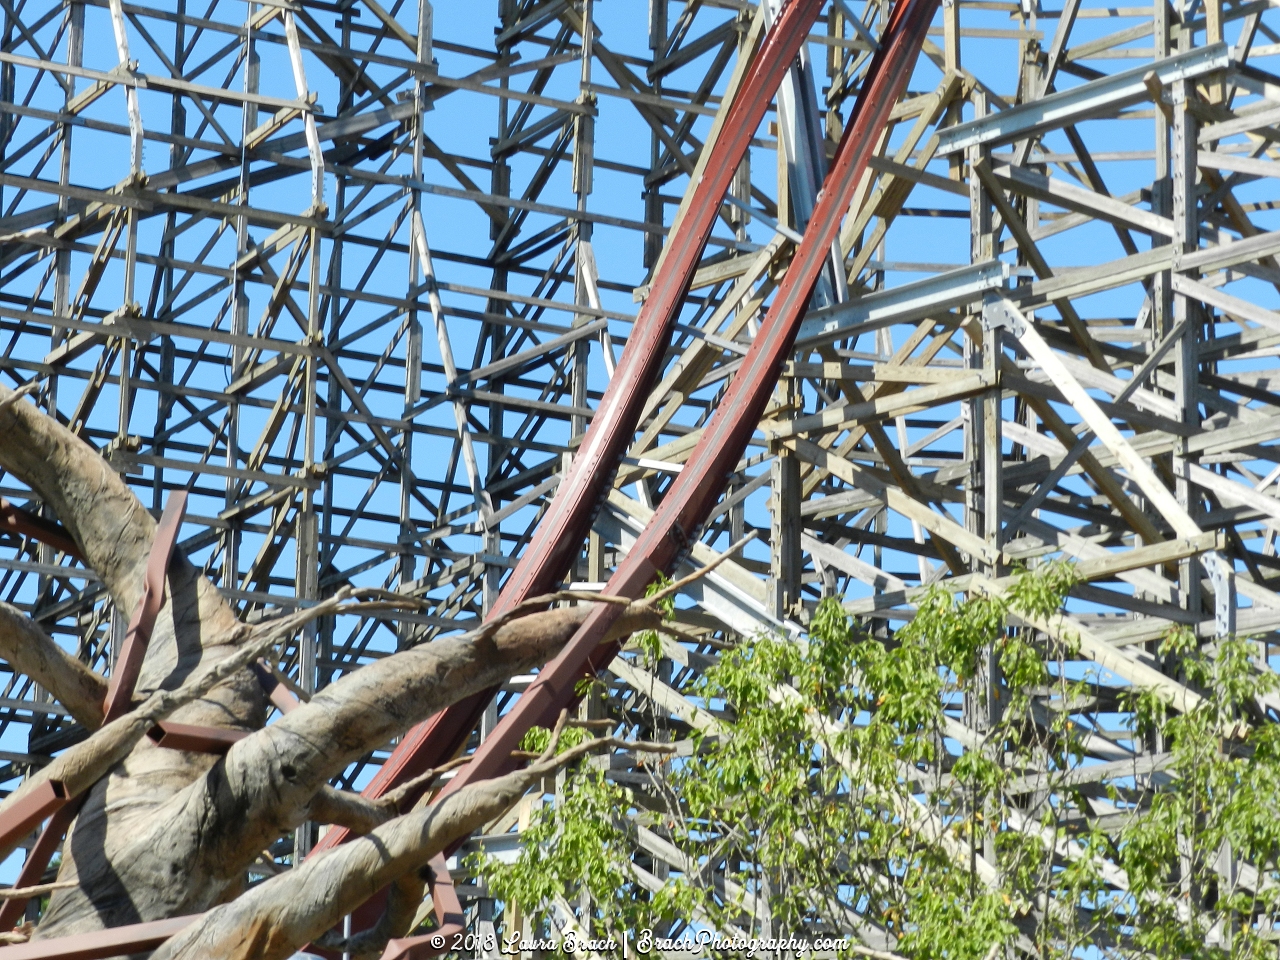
(129, 662)
(28, 813)
(186, 736)
(38, 859)
(135, 938)
(27, 524)
(450, 920)
(559, 536)
(697, 487)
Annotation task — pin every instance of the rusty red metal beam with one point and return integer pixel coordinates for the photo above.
(197, 739)
(129, 663)
(22, 817)
(135, 938)
(559, 536)
(28, 524)
(697, 487)
(450, 920)
(37, 861)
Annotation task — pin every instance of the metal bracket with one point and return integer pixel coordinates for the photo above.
(1223, 577)
(999, 313)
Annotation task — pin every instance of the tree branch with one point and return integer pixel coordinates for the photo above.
(14, 396)
(267, 782)
(27, 893)
(403, 899)
(215, 826)
(29, 650)
(84, 764)
(350, 810)
(108, 522)
(672, 589)
(274, 919)
(409, 788)
(114, 533)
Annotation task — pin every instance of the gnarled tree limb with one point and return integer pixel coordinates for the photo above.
(195, 629)
(31, 651)
(349, 810)
(164, 833)
(404, 897)
(277, 917)
(114, 532)
(266, 783)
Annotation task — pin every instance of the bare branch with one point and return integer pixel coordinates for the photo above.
(350, 810)
(536, 604)
(265, 784)
(84, 764)
(19, 934)
(409, 788)
(108, 522)
(672, 589)
(39, 890)
(556, 731)
(403, 899)
(28, 388)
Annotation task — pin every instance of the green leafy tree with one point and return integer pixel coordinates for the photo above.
(895, 788)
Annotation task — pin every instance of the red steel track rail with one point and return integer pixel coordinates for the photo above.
(698, 486)
(559, 536)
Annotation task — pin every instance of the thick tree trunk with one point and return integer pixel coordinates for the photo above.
(193, 852)
(165, 833)
(114, 533)
(277, 917)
